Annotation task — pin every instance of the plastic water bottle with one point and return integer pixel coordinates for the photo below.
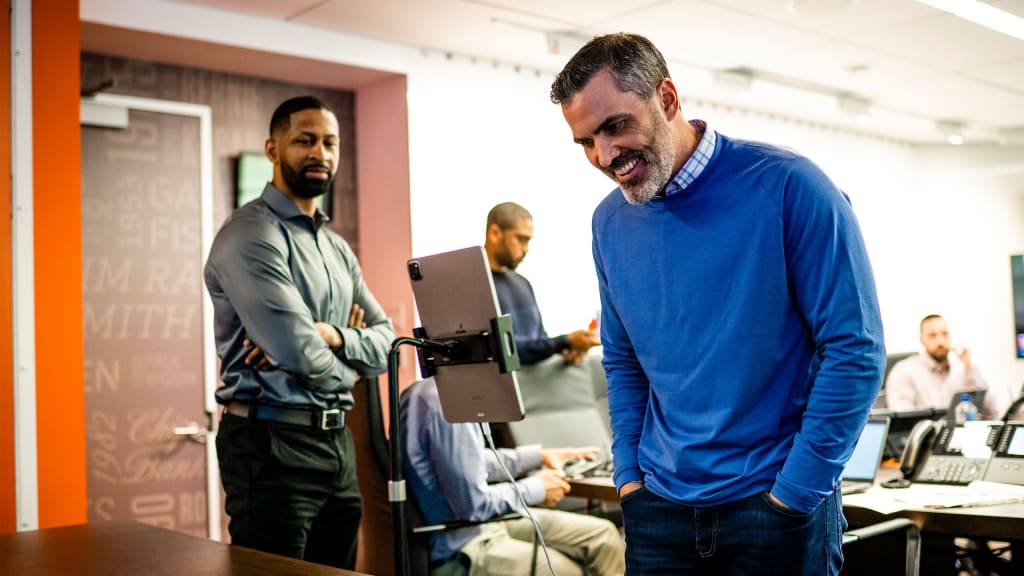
(966, 411)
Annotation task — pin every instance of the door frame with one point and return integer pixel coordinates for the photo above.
(116, 103)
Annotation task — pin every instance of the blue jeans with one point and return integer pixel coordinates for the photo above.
(748, 537)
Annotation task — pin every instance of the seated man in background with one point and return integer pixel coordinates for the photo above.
(930, 378)
(453, 476)
(509, 231)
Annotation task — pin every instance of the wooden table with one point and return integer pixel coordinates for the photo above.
(596, 488)
(103, 548)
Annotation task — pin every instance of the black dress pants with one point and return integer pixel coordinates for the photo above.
(290, 490)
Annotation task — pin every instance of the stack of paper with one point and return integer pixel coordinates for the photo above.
(938, 496)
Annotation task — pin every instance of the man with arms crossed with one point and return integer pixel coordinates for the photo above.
(742, 337)
(295, 326)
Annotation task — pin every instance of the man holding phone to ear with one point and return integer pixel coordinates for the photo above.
(930, 378)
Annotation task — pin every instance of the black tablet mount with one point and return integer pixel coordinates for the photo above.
(494, 345)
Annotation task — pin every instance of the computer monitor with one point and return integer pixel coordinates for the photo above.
(977, 398)
(900, 425)
(1017, 276)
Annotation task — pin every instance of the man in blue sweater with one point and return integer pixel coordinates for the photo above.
(740, 323)
(509, 231)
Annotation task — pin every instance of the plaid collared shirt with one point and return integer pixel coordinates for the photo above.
(697, 162)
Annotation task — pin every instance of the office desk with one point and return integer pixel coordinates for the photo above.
(601, 488)
(1004, 522)
(124, 548)
(596, 488)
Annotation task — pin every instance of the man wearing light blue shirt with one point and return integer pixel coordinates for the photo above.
(453, 477)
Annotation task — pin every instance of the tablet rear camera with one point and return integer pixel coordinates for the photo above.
(415, 272)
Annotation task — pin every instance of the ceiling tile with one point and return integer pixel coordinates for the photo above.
(901, 54)
(270, 8)
(1009, 75)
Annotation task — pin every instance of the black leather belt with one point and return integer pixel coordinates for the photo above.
(331, 419)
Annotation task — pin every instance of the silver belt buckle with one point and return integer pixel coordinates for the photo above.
(330, 419)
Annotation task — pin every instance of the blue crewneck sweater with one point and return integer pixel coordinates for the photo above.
(742, 337)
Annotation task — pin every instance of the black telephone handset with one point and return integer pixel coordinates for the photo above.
(919, 444)
(929, 456)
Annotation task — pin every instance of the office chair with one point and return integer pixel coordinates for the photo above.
(913, 554)
(366, 422)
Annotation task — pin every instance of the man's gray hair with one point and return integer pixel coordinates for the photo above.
(633, 61)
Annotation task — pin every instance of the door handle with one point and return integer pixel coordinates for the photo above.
(192, 431)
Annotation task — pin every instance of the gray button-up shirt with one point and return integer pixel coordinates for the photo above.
(271, 273)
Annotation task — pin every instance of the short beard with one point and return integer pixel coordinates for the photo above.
(507, 261)
(305, 187)
(658, 157)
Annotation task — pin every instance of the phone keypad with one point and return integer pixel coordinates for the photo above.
(956, 470)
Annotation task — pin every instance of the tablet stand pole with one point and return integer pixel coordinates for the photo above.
(495, 345)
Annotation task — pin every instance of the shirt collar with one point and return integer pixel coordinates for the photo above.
(697, 162)
(933, 364)
(286, 209)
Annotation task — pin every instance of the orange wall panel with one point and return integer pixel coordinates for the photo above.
(56, 149)
(7, 497)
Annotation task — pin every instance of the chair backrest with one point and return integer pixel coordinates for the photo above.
(366, 422)
(373, 459)
(891, 360)
(562, 407)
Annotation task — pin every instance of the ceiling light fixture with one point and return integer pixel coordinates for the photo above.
(1011, 136)
(982, 14)
(953, 131)
(565, 42)
(855, 106)
(738, 81)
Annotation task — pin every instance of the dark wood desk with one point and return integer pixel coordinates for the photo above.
(596, 488)
(124, 548)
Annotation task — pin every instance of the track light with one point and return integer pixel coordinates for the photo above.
(737, 81)
(952, 130)
(859, 108)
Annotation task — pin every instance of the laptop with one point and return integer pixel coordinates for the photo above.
(859, 473)
(977, 397)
